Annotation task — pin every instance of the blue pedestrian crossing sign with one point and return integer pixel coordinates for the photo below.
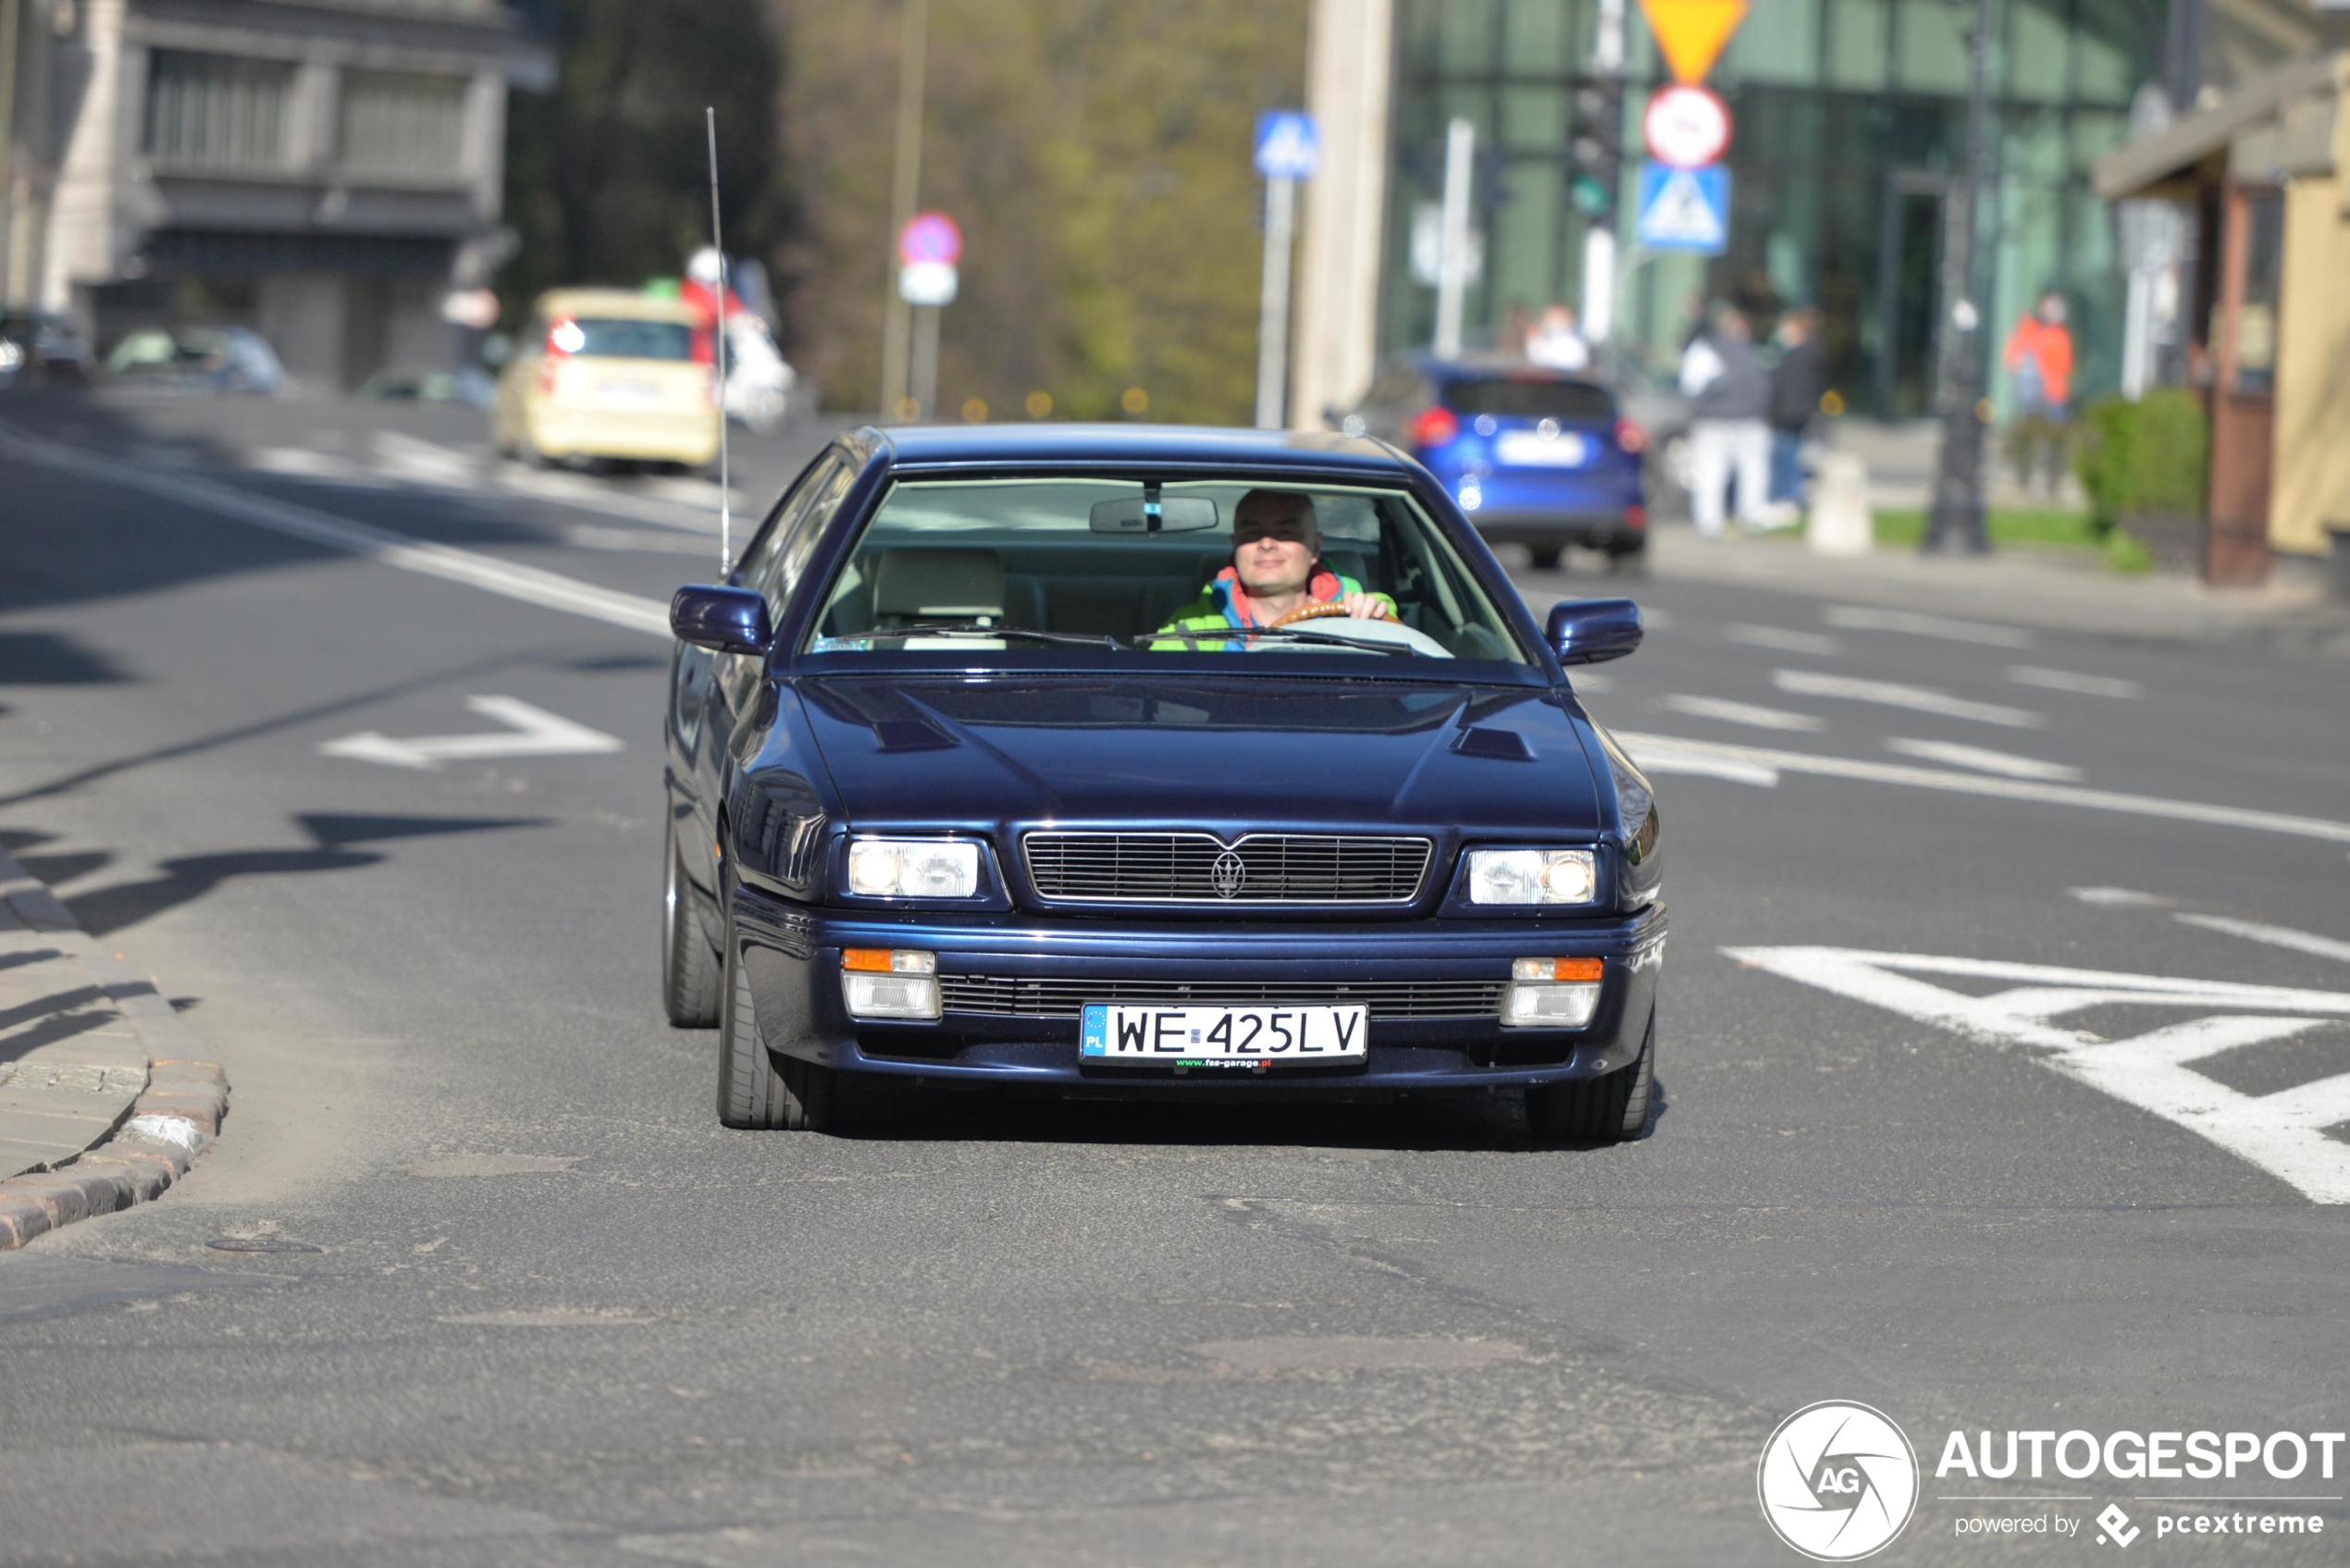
(1287, 144)
(1684, 209)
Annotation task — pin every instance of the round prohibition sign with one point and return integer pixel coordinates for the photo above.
(1686, 127)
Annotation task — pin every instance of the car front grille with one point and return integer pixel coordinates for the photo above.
(1197, 868)
(1027, 997)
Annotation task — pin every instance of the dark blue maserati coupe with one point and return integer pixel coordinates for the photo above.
(1118, 760)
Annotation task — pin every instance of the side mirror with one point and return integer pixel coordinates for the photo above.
(721, 620)
(1591, 631)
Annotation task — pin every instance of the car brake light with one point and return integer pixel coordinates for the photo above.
(1631, 436)
(1435, 427)
(565, 338)
(1636, 516)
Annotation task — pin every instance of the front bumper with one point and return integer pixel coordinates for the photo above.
(791, 954)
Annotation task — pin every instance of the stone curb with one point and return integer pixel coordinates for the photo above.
(171, 1122)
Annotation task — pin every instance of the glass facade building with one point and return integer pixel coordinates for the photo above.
(1850, 127)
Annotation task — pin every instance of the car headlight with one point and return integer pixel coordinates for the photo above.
(895, 868)
(1532, 876)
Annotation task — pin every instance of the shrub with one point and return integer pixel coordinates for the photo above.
(2147, 456)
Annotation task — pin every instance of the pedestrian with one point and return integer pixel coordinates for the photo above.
(2039, 361)
(1556, 343)
(704, 271)
(1797, 382)
(1730, 403)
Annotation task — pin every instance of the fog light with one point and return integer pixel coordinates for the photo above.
(1551, 993)
(886, 982)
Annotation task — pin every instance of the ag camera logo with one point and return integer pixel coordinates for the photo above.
(1839, 1481)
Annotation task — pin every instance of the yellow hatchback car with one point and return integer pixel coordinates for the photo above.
(600, 372)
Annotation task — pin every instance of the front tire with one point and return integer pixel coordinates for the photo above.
(1616, 1108)
(754, 1090)
(689, 977)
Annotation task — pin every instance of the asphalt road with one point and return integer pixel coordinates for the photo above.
(556, 1313)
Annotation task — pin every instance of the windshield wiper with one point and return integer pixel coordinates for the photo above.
(1286, 634)
(978, 628)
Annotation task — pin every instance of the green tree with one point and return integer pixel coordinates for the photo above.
(607, 177)
(1096, 156)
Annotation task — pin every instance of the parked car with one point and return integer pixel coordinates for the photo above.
(1539, 458)
(40, 346)
(198, 359)
(605, 374)
(970, 782)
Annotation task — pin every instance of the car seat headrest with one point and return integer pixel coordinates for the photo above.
(924, 584)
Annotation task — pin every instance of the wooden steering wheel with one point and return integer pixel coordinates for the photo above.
(1320, 610)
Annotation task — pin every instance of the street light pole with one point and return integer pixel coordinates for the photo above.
(905, 188)
(1954, 525)
(1599, 239)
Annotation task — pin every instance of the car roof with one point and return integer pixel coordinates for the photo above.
(623, 302)
(1123, 445)
(1494, 367)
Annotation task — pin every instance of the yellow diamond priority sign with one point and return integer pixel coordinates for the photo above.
(1691, 33)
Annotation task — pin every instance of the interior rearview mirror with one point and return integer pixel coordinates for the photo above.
(1591, 631)
(1143, 515)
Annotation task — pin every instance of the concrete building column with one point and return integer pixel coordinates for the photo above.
(83, 223)
(1350, 67)
(304, 316)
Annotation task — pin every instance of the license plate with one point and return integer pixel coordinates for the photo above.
(1224, 1037)
(628, 394)
(1529, 449)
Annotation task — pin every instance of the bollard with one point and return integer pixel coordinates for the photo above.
(1841, 522)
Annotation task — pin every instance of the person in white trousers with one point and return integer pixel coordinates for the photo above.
(1729, 426)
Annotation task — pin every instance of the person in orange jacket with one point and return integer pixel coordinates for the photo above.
(2039, 359)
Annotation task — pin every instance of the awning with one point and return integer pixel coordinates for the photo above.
(2139, 169)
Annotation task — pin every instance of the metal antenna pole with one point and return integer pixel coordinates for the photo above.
(726, 473)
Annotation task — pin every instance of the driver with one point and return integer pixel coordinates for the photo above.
(1276, 573)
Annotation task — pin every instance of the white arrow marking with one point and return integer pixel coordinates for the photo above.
(2282, 1133)
(1742, 713)
(1655, 754)
(1893, 694)
(536, 733)
(1860, 618)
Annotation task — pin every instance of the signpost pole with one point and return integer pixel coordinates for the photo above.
(923, 390)
(1954, 525)
(1598, 238)
(1272, 310)
(905, 186)
(1452, 264)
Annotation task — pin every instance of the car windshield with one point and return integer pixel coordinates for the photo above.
(1039, 563)
(1531, 399)
(607, 337)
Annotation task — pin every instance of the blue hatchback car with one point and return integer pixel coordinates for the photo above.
(1128, 762)
(1533, 457)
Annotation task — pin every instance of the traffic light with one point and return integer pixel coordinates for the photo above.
(1596, 150)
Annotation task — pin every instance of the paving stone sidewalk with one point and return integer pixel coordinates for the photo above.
(103, 1101)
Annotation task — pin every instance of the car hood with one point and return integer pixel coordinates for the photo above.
(992, 753)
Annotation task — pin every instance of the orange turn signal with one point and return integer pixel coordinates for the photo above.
(1583, 970)
(865, 960)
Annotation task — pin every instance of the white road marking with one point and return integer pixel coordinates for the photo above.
(650, 541)
(1786, 641)
(535, 732)
(1742, 713)
(2066, 680)
(2282, 1133)
(1655, 754)
(1978, 783)
(2120, 898)
(1893, 694)
(1982, 761)
(1862, 618)
(2275, 937)
(1586, 682)
(549, 589)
